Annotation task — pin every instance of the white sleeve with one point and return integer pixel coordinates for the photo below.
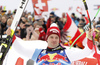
(77, 54)
(27, 48)
(23, 49)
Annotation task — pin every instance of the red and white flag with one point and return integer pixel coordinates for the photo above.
(72, 32)
(40, 6)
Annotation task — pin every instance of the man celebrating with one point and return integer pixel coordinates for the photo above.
(55, 53)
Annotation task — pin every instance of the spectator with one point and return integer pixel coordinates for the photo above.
(81, 25)
(22, 28)
(94, 23)
(83, 15)
(49, 19)
(42, 23)
(63, 19)
(0, 17)
(75, 19)
(17, 32)
(98, 40)
(30, 19)
(9, 13)
(98, 27)
(9, 22)
(98, 22)
(3, 24)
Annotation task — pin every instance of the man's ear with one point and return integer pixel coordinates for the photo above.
(47, 40)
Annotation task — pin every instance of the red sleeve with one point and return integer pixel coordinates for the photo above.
(48, 23)
(90, 43)
(42, 36)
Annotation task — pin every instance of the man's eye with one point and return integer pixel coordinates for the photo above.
(51, 37)
(56, 37)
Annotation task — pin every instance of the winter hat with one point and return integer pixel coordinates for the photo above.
(52, 13)
(53, 30)
(42, 34)
(29, 16)
(41, 30)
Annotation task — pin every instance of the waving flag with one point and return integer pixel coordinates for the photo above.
(40, 6)
(72, 33)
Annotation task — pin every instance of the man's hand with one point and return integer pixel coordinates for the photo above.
(29, 30)
(90, 34)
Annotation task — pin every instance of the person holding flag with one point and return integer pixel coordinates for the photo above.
(55, 53)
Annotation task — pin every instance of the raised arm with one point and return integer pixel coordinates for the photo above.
(79, 54)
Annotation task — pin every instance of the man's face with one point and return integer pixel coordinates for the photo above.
(53, 20)
(98, 28)
(3, 20)
(99, 19)
(51, 15)
(53, 40)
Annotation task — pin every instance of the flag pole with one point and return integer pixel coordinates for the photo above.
(86, 8)
(96, 15)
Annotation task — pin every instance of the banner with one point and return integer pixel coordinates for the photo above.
(69, 6)
(23, 49)
(39, 6)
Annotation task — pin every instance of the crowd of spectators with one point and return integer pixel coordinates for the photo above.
(30, 28)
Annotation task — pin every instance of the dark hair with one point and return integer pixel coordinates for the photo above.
(51, 16)
(52, 13)
(82, 20)
(73, 14)
(83, 14)
(78, 19)
(27, 25)
(3, 11)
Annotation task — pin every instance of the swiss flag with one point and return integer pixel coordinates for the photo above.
(40, 6)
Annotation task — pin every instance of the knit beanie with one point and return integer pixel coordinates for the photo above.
(53, 30)
(42, 34)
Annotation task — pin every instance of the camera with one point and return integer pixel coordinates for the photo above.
(3, 11)
(16, 31)
(27, 25)
(23, 22)
(51, 16)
